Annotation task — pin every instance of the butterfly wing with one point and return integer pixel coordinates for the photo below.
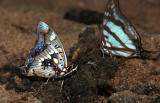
(47, 64)
(119, 37)
(51, 61)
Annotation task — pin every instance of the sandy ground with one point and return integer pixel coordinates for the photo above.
(18, 20)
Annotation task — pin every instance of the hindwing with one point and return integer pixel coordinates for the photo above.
(118, 35)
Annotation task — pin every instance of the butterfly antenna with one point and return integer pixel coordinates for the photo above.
(148, 54)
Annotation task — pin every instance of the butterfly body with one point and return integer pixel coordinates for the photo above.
(118, 35)
(47, 58)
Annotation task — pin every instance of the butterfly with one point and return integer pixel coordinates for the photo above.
(119, 37)
(47, 59)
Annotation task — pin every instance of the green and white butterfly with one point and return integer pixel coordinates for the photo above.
(119, 37)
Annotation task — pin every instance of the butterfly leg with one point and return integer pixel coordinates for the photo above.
(67, 97)
(62, 85)
(45, 83)
(92, 63)
(102, 52)
(111, 55)
(114, 58)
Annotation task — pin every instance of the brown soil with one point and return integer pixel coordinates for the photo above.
(97, 79)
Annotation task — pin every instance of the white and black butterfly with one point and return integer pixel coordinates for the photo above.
(118, 35)
(47, 58)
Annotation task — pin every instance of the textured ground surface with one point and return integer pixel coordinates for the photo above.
(122, 80)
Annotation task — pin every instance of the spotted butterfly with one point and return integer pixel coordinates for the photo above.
(47, 58)
(118, 35)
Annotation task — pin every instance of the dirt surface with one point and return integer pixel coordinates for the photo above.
(97, 79)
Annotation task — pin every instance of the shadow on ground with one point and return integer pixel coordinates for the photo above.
(84, 16)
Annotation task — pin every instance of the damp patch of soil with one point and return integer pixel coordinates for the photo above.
(98, 79)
